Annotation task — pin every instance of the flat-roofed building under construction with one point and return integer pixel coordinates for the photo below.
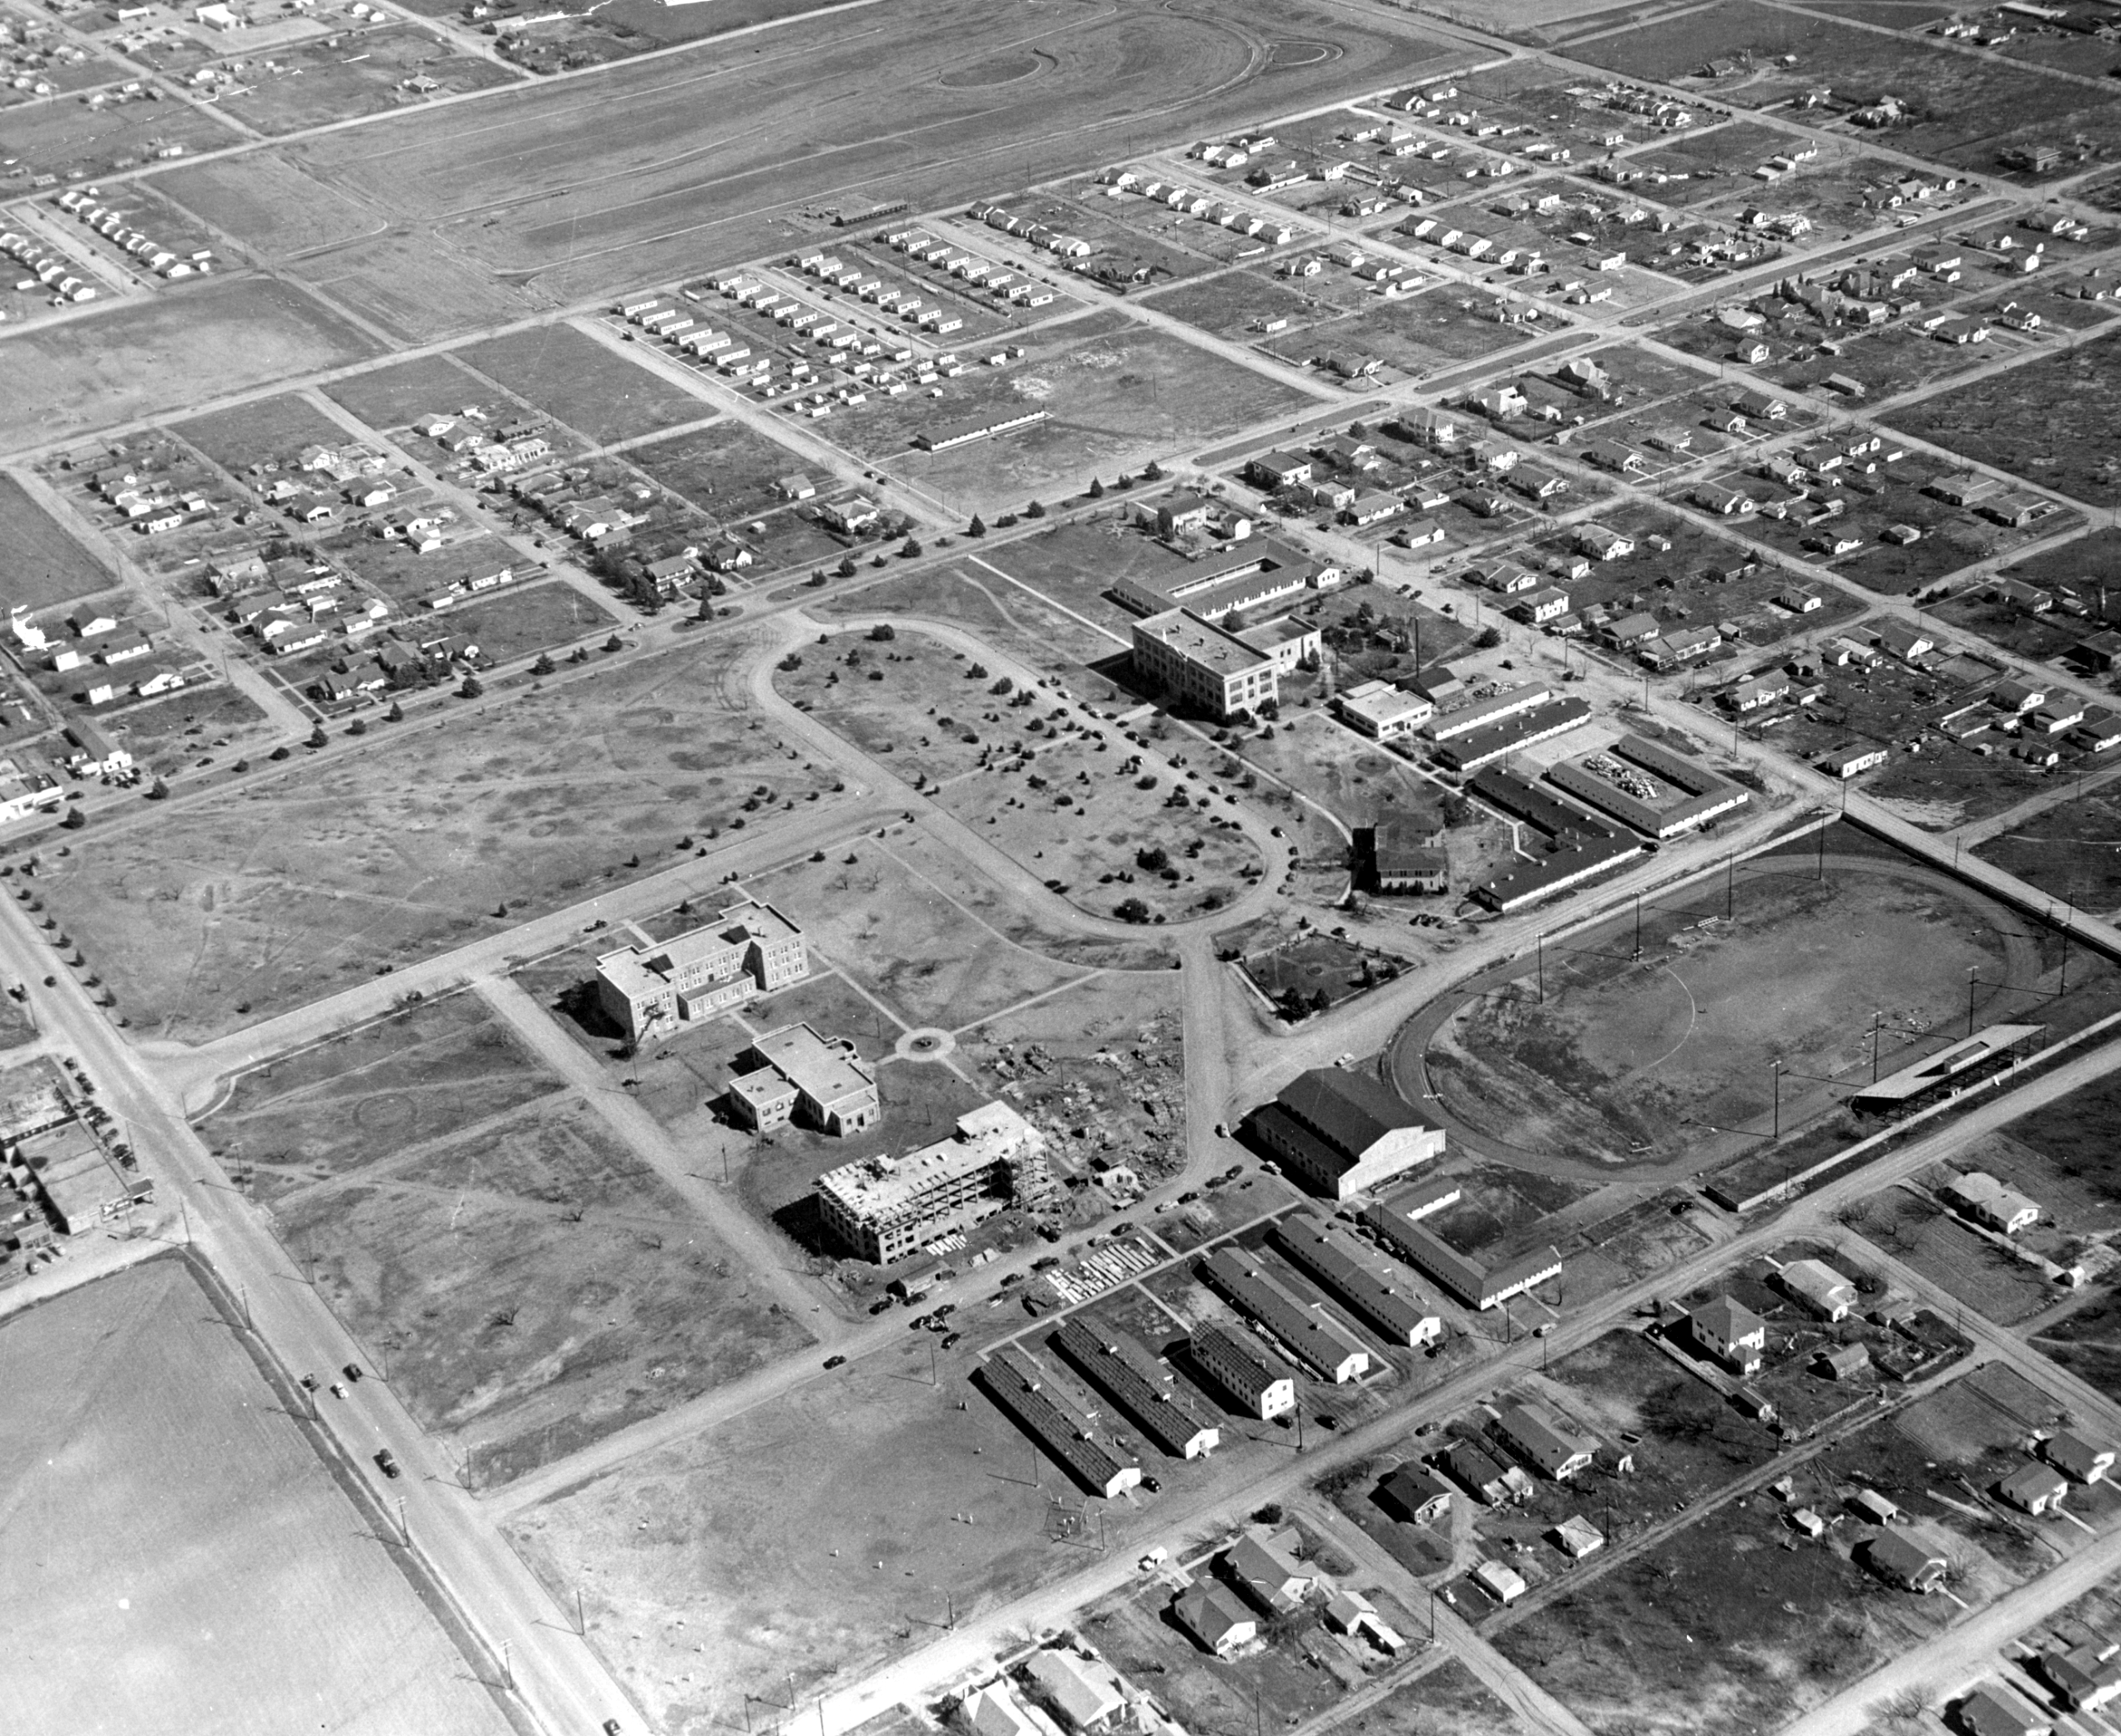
(884, 1209)
(749, 949)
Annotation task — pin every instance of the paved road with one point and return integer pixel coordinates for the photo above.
(561, 1681)
(977, 1643)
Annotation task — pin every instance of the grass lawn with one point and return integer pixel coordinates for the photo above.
(2050, 420)
(391, 397)
(275, 429)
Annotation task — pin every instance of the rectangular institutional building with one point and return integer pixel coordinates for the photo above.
(749, 949)
(883, 1209)
(795, 1075)
(1199, 662)
(1343, 1132)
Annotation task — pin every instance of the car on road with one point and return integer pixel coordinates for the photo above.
(835, 1361)
(611, 1725)
(309, 1383)
(385, 1463)
(1124, 1227)
(951, 1340)
(337, 1390)
(1151, 1484)
(882, 1304)
(351, 1371)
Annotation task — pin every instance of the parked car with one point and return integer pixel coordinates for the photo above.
(337, 1390)
(835, 1361)
(352, 1371)
(309, 1383)
(385, 1463)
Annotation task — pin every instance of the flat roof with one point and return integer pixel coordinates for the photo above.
(824, 1070)
(1201, 642)
(1991, 1040)
(875, 1186)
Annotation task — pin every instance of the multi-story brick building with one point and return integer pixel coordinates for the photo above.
(884, 1209)
(749, 949)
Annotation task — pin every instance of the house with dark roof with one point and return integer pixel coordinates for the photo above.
(2085, 1677)
(1265, 1570)
(1343, 1132)
(1216, 1620)
(1536, 1437)
(2076, 1457)
(1899, 1560)
(1414, 1494)
(2034, 1489)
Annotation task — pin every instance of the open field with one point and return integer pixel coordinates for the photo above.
(195, 1567)
(272, 429)
(268, 896)
(45, 565)
(391, 397)
(2049, 420)
(2068, 851)
(1115, 400)
(336, 85)
(611, 220)
(1696, 1038)
(70, 140)
(524, 618)
(164, 354)
(166, 736)
(1418, 334)
(1965, 106)
(530, 1286)
(576, 380)
(417, 1076)
(726, 469)
(1933, 1242)
(1026, 777)
(841, 1542)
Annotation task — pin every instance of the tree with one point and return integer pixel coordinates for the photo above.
(846, 566)
(1153, 860)
(317, 736)
(279, 753)
(74, 820)
(977, 527)
(472, 687)
(1002, 687)
(1490, 638)
(1034, 511)
(1131, 910)
(396, 714)
(911, 548)
(545, 665)
(359, 726)
(883, 633)
(1097, 489)
(157, 790)
(976, 671)
(1152, 472)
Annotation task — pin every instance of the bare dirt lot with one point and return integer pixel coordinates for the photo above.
(2047, 420)
(868, 1502)
(574, 378)
(141, 357)
(272, 893)
(45, 565)
(526, 1281)
(187, 1561)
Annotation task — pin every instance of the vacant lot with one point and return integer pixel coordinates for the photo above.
(45, 565)
(320, 81)
(165, 354)
(414, 1077)
(1116, 400)
(530, 1286)
(1964, 106)
(269, 894)
(860, 1519)
(1417, 335)
(391, 397)
(1247, 302)
(1697, 1035)
(725, 469)
(576, 380)
(524, 618)
(273, 430)
(2049, 420)
(196, 1566)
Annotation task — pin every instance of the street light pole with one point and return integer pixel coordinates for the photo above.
(1540, 941)
(1778, 1100)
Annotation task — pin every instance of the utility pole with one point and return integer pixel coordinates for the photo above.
(1971, 972)
(1540, 940)
(581, 1620)
(1730, 885)
(508, 1668)
(246, 1308)
(1638, 925)
(404, 1530)
(1778, 1099)
(1878, 1019)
